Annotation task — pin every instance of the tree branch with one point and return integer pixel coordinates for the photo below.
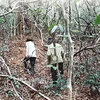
(86, 48)
(23, 82)
(13, 78)
(4, 64)
(14, 7)
(41, 34)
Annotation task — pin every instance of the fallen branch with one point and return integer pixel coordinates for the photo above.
(4, 64)
(35, 90)
(13, 78)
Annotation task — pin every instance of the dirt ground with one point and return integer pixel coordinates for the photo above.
(42, 75)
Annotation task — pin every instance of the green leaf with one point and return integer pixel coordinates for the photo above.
(49, 66)
(17, 86)
(1, 20)
(65, 36)
(61, 28)
(57, 28)
(55, 68)
(51, 26)
(47, 87)
(4, 48)
(93, 88)
(97, 20)
(77, 1)
(37, 80)
(75, 31)
(10, 77)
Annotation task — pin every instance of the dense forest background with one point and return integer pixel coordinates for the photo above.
(22, 19)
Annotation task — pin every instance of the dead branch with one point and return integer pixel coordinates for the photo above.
(4, 64)
(21, 81)
(86, 48)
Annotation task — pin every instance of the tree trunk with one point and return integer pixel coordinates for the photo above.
(19, 22)
(67, 20)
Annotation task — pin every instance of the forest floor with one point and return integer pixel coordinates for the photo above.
(42, 75)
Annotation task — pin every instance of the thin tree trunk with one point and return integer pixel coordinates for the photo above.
(11, 31)
(67, 20)
(14, 26)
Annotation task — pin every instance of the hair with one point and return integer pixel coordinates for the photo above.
(49, 40)
(28, 40)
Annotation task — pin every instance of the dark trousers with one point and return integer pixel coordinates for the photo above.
(55, 73)
(32, 63)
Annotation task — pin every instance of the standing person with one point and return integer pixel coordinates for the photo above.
(53, 60)
(55, 56)
(30, 55)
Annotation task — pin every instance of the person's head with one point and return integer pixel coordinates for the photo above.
(50, 40)
(28, 39)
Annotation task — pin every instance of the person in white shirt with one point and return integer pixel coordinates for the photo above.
(55, 53)
(30, 55)
(53, 60)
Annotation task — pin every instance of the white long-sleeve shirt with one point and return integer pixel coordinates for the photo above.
(59, 50)
(30, 49)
